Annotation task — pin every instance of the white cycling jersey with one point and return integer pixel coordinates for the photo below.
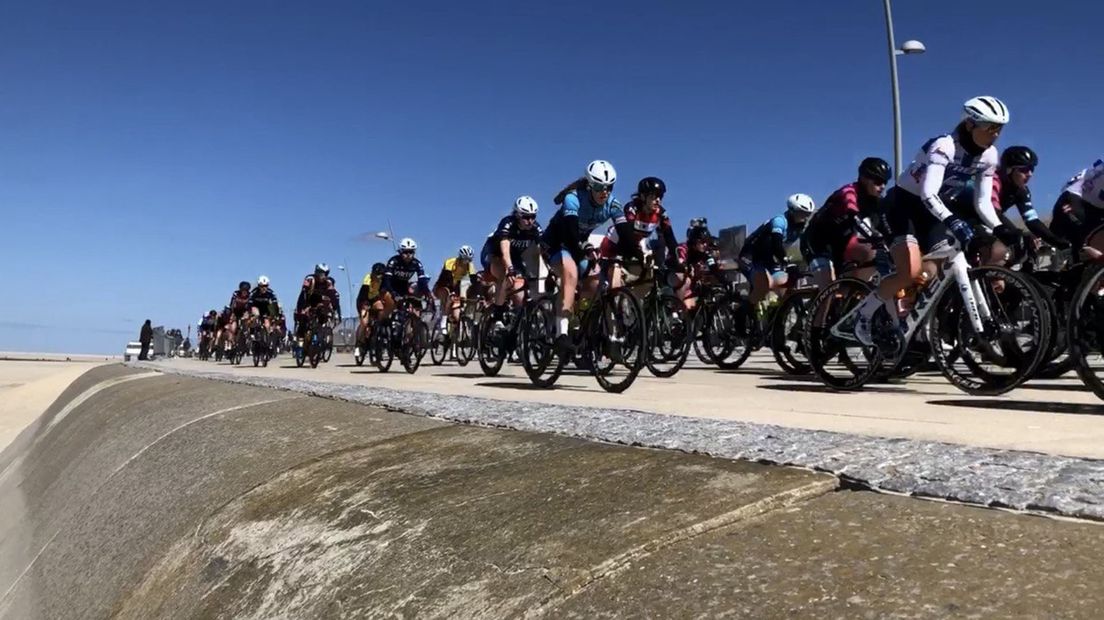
(944, 168)
(1089, 185)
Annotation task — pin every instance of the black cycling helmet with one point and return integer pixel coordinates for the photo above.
(378, 268)
(875, 168)
(652, 186)
(245, 285)
(213, 313)
(1019, 156)
(697, 233)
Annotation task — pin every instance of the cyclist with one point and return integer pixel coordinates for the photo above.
(397, 274)
(1017, 165)
(585, 204)
(208, 327)
(764, 251)
(915, 211)
(844, 230)
(239, 306)
(263, 302)
(318, 289)
(509, 247)
(644, 215)
(222, 324)
(368, 301)
(699, 264)
(1079, 211)
(447, 287)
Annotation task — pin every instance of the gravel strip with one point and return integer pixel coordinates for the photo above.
(1001, 478)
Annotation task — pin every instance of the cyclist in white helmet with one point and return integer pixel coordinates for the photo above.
(510, 252)
(400, 271)
(447, 287)
(763, 256)
(585, 203)
(915, 212)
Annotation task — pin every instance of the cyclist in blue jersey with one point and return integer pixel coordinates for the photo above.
(584, 205)
(763, 256)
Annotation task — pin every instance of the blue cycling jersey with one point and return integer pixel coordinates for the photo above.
(757, 243)
(590, 215)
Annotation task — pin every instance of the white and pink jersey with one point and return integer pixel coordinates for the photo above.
(1089, 185)
(944, 169)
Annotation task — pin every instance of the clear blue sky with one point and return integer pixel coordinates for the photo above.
(153, 154)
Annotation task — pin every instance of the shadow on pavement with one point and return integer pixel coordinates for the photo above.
(1023, 405)
(1058, 387)
(525, 385)
(462, 375)
(823, 389)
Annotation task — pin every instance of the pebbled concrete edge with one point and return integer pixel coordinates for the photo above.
(1018, 480)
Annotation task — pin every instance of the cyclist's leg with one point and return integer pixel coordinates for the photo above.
(388, 302)
(565, 268)
(857, 252)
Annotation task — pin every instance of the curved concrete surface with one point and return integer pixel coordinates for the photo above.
(141, 495)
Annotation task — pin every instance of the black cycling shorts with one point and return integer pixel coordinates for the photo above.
(907, 217)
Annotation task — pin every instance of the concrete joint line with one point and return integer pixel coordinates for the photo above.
(77, 401)
(130, 460)
(747, 512)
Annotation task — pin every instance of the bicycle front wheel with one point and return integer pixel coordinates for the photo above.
(617, 340)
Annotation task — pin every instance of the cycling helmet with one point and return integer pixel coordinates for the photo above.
(651, 186)
(985, 109)
(465, 253)
(243, 284)
(213, 313)
(262, 281)
(378, 268)
(601, 172)
(697, 233)
(323, 267)
(800, 203)
(525, 205)
(875, 168)
(408, 245)
(1019, 156)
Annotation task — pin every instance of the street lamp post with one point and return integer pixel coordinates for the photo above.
(349, 284)
(908, 47)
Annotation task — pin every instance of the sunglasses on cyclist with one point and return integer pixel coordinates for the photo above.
(1023, 169)
(406, 252)
(527, 218)
(601, 187)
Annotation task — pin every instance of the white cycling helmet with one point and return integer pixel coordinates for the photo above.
(525, 205)
(408, 245)
(466, 252)
(601, 172)
(262, 281)
(985, 109)
(800, 203)
(323, 267)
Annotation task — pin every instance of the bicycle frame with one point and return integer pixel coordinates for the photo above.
(977, 309)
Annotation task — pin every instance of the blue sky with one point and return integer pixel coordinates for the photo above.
(153, 154)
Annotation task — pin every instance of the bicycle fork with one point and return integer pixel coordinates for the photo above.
(973, 298)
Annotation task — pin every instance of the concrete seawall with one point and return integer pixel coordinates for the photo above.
(143, 495)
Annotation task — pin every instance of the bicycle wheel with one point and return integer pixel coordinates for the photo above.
(1086, 331)
(439, 346)
(415, 341)
(538, 343)
(1017, 336)
(669, 334)
(787, 336)
(837, 359)
(1058, 360)
(725, 333)
(380, 345)
(491, 351)
(617, 340)
(465, 341)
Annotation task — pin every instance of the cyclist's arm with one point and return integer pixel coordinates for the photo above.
(504, 249)
(929, 191)
(569, 220)
(670, 244)
(626, 241)
(983, 199)
(423, 281)
(445, 275)
(1034, 224)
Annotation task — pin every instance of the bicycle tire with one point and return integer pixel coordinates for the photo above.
(539, 359)
(796, 302)
(629, 336)
(658, 313)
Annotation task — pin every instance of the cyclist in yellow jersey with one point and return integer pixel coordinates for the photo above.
(368, 301)
(447, 288)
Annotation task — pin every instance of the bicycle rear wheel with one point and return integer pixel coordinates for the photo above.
(415, 341)
(465, 341)
(1086, 326)
(492, 353)
(439, 346)
(380, 346)
(725, 333)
